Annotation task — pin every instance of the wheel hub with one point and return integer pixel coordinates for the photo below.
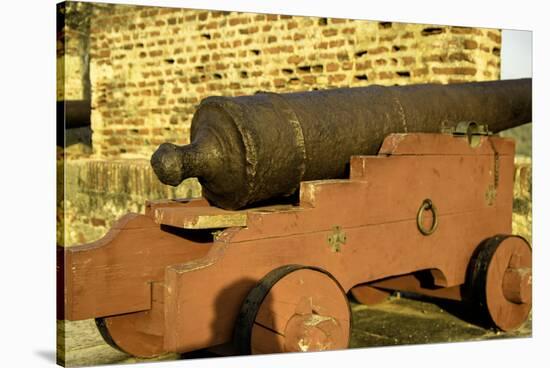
(311, 332)
(516, 285)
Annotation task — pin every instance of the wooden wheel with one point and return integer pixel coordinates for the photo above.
(127, 334)
(369, 295)
(294, 308)
(500, 281)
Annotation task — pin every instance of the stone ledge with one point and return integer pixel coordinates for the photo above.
(98, 192)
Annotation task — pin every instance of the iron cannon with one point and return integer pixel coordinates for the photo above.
(249, 149)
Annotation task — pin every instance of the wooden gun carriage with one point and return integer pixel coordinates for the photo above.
(430, 213)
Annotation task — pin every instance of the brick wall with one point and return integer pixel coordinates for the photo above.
(150, 67)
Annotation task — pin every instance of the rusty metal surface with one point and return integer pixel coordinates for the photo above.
(252, 148)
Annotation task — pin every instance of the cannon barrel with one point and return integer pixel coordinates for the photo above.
(251, 148)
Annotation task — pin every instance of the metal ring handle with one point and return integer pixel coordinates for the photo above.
(426, 205)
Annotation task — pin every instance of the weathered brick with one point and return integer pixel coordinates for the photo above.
(239, 20)
(279, 82)
(454, 70)
(249, 30)
(309, 79)
(337, 43)
(332, 67)
(337, 20)
(436, 58)
(460, 56)
(470, 44)
(494, 36)
(347, 65)
(420, 72)
(295, 59)
(322, 45)
(292, 25)
(363, 65)
(336, 78)
(378, 50)
(330, 32)
(408, 60)
(348, 31)
(104, 53)
(388, 38)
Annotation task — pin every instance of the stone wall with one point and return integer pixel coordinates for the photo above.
(522, 218)
(71, 48)
(98, 192)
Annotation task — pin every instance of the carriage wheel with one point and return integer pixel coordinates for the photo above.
(500, 281)
(369, 295)
(124, 333)
(294, 308)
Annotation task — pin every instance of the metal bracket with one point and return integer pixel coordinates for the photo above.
(336, 239)
(471, 130)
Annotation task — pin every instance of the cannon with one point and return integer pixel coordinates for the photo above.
(249, 149)
(428, 212)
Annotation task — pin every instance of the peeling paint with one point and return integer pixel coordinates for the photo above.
(195, 265)
(315, 319)
(303, 345)
(490, 195)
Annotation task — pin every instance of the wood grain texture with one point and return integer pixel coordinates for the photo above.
(114, 275)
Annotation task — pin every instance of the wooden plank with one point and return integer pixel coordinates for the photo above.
(151, 205)
(411, 283)
(199, 217)
(114, 274)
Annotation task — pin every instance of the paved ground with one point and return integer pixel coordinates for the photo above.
(397, 321)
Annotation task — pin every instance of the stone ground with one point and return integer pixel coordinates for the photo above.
(398, 321)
